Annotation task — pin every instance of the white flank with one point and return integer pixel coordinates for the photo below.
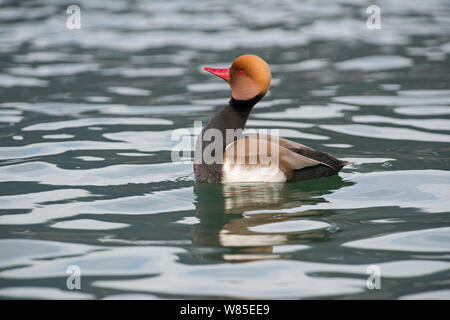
(252, 173)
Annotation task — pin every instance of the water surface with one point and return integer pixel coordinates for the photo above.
(87, 178)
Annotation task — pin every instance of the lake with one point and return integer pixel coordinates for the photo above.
(92, 206)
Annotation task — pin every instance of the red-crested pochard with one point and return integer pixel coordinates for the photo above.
(249, 78)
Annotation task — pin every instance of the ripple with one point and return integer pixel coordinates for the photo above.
(57, 108)
(212, 102)
(42, 293)
(145, 72)
(150, 141)
(17, 252)
(15, 13)
(145, 141)
(368, 160)
(429, 124)
(63, 108)
(47, 173)
(139, 41)
(124, 260)
(389, 133)
(88, 224)
(31, 200)
(290, 226)
(51, 56)
(289, 248)
(176, 200)
(306, 65)
(9, 112)
(375, 63)
(269, 123)
(208, 87)
(262, 279)
(291, 133)
(10, 118)
(323, 93)
(330, 29)
(423, 111)
(55, 70)
(58, 136)
(424, 93)
(390, 86)
(163, 109)
(52, 148)
(129, 91)
(387, 221)
(149, 231)
(386, 189)
(428, 295)
(134, 154)
(338, 145)
(97, 99)
(240, 280)
(85, 122)
(88, 158)
(393, 100)
(309, 112)
(131, 296)
(429, 240)
(10, 81)
(275, 102)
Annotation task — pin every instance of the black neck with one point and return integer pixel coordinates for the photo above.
(245, 105)
(233, 116)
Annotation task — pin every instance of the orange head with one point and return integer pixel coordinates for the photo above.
(248, 76)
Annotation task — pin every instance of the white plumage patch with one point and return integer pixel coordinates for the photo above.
(229, 239)
(251, 173)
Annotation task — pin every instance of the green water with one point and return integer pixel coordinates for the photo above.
(87, 177)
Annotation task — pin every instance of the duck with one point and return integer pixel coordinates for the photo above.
(224, 153)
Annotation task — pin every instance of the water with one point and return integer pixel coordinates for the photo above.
(86, 176)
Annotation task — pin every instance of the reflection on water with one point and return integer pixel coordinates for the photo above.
(87, 178)
(253, 237)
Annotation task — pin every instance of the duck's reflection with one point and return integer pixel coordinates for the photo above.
(231, 216)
